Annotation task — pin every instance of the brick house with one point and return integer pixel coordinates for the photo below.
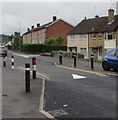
(94, 35)
(57, 27)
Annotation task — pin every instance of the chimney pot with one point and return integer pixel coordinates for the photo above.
(28, 29)
(97, 16)
(54, 18)
(32, 27)
(38, 24)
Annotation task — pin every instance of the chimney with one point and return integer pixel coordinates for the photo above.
(38, 24)
(54, 18)
(32, 27)
(110, 15)
(28, 29)
(97, 16)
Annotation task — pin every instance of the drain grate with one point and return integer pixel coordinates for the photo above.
(57, 113)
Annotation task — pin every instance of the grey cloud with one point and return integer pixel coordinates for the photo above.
(29, 14)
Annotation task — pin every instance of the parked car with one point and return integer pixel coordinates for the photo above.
(3, 51)
(110, 61)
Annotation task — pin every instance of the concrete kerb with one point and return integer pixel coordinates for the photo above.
(41, 101)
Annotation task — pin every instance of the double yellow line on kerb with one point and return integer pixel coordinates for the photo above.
(37, 74)
(96, 73)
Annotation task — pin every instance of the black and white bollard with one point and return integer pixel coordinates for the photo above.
(92, 64)
(4, 60)
(34, 68)
(12, 62)
(75, 56)
(27, 77)
(60, 58)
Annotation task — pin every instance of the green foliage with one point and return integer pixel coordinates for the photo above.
(9, 47)
(50, 41)
(39, 48)
(54, 41)
(17, 41)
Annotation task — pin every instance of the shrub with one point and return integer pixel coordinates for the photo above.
(39, 48)
(54, 41)
(9, 47)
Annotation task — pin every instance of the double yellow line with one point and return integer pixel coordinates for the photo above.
(99, 74)
(37, 74)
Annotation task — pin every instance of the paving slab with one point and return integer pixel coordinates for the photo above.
(16, 103)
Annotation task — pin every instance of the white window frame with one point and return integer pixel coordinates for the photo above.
(100, 36)
(83, 36)
(113, 35)
(83, 49)
(72, 37)
(94, 35)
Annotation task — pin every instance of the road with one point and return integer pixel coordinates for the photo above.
(90, 97)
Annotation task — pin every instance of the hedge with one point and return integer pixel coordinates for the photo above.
(38, 48)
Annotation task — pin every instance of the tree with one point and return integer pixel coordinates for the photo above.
(50, 41)
(54, 41)
(59, 40)
(17, 41)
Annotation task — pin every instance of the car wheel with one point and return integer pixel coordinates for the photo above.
(105, 66)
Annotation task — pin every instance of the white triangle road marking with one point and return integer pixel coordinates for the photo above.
(77, 76)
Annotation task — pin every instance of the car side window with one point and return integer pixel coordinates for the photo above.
(111, 53)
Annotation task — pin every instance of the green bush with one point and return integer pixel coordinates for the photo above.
(9, 47)
(39, 48)
(54, 41)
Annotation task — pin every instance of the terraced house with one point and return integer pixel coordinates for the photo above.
(57, 27)
(95, 35)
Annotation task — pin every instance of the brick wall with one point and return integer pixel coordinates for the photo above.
(59, 28)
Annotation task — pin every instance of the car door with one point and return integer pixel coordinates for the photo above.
(116, 60)
(112, 59)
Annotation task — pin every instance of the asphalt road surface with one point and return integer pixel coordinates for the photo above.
(91, 97)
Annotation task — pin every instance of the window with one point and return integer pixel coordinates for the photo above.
(94, 35)
(83, 49)
(72, 37)
(83, 36)
(100, 36)
(110, 36)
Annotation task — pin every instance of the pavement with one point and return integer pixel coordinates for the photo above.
(16, 103)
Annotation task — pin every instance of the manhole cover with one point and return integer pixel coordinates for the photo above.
(57, 113)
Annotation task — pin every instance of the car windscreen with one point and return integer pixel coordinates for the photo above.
(111, 52)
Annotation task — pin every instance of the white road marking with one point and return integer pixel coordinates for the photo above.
(77, 76)
(25, 56)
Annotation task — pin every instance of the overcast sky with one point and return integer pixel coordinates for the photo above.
(31, 13)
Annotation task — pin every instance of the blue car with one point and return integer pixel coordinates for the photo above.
(110, 61)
